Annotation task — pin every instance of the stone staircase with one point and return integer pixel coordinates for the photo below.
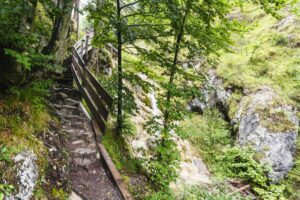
(87, 175)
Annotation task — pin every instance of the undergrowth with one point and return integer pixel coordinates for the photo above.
(210, 136)
(24, 117)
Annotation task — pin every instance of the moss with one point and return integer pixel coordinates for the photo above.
(275, 119)
(25, 118)
(118, 151)
(106, 57)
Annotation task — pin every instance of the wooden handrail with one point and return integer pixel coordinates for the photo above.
(98, 100)
(99, 103)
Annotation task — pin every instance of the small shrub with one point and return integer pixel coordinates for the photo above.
(240, 163)
(219, 193)
(161, 195)
(5, 190)
(161, 168)
(129, 127)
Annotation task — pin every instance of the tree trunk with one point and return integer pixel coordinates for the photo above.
(76, 16)
(173, 72)
(120, 72)
(59, 38)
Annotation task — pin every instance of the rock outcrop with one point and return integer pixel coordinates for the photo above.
(214, 95)
(27, 175)
(270, 127)
(263, 120)
(192, 170)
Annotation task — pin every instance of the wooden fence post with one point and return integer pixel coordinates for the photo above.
(87, 47)
(81, 49)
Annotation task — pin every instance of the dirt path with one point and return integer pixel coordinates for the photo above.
(88, 177)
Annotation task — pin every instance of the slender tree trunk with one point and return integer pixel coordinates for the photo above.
(173, 72)
(120, 72)
(60, 31)
(76, 16)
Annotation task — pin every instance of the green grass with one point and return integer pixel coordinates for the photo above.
(119, 152)
(263, 56)
(208, 133)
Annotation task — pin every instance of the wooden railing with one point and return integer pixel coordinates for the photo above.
(97, 99)
(99, 103)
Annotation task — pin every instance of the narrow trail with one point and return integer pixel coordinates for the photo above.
(87, 175)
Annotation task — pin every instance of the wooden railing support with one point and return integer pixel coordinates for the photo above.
(99, 103)
(81, 48)
(86, 47)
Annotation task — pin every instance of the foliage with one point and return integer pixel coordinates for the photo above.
(120, 155)
(208, 133)
(5, 156)
(292, 182)
(59, 194)
(129, 127)
(220, 193)
(22, 32)
(162, 166)
(33, 93)
(5, 190)
(240, 163)
(161, 195)
(110, 84)
(269, 65)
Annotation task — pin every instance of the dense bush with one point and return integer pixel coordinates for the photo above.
(238, 162)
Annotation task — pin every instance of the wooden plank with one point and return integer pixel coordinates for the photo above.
(93, 109)
(78, 69)
(76, 77)
(81, 48)
(102, 92)
(101, 108)
(99, 88)
(75, 53)
(114, 173)
(97, 132)
(90, 104)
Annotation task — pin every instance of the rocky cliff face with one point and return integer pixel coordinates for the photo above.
(263, 120)
(214, 95)
(270, 126)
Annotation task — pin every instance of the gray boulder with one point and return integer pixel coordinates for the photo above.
(27, 175)
(270, 126)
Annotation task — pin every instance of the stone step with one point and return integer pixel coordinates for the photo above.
(71, 102)
(86, 136)
(61, 96)
(71, 112)
(79, 125)
(70, 92)
(75, 118)
(89, 152)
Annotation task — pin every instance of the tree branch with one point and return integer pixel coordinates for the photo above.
(136, 25)
(129, 4)
(146, 14)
